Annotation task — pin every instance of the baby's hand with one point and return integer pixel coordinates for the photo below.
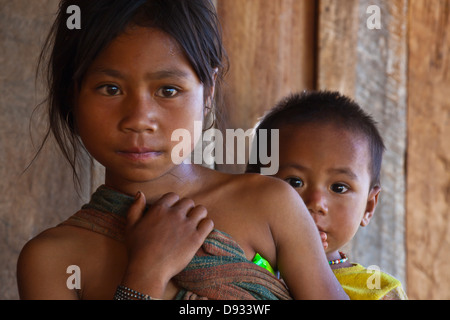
(323, 236)
(162, 241)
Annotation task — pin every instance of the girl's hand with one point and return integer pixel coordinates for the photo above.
(162, 241)
(323, 237)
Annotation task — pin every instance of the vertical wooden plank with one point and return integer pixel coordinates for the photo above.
(337, 37)
(44, 195)
(271, 48)
(381, 87)
(370, 66)
(428, 183)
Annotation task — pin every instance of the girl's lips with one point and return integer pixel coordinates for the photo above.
(139, 154)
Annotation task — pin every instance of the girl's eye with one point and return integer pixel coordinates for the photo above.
(295, 182)
(110, 90)
(167, 92)
(339, 188)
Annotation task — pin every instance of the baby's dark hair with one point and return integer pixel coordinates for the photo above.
(325, 107)
(67, 54)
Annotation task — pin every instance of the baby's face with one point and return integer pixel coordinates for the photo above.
(329, 168)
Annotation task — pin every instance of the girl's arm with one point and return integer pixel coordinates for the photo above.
(300, 255)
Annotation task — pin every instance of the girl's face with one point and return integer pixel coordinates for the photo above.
(329, 168)
(135, 94)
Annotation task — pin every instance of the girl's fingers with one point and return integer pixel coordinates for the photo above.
(197, 213)
(167, 200)
(184, 206)
(136, 209)
(323, 237)
(204, 227)
(171, 202)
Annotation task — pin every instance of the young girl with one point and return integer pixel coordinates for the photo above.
(119, 87)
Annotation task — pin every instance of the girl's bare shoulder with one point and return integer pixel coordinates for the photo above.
(55, 238)
(62, 243)
(264, 192)
(249, 192)
(252, 183)
(49, 259)
(49, 240)
(53, 249)
(43, 262)
(255, 198)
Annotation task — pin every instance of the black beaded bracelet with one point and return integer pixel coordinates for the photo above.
(125, 293)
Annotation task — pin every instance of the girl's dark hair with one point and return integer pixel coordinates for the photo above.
(67, 54)
(325, 107)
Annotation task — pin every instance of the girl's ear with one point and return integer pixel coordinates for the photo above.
(372, 201)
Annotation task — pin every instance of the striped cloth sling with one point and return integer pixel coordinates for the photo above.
(219, 270)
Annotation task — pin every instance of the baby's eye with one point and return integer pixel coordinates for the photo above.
(167, 92)
(339, 188)
(110, 90)
(295, 182)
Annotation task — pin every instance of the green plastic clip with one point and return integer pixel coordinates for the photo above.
(260, 261)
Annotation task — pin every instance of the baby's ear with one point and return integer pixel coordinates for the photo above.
(372, 201)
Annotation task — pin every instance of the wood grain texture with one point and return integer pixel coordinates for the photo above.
(271, 46)
(428, 180)
(338, 25)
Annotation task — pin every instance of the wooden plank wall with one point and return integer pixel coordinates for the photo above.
(401, 74)
(271, 46)
(428, 179)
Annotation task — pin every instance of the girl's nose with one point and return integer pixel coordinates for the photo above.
(139, 115)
